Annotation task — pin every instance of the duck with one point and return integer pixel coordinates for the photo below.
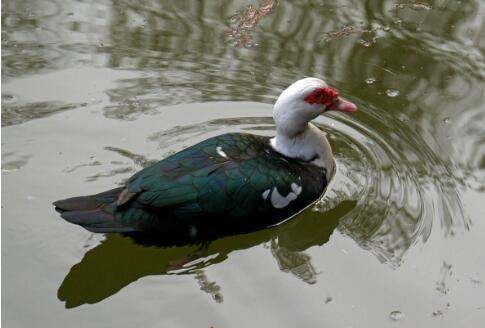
(228, 184)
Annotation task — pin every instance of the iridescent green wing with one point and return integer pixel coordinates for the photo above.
(229, 176)
(168, 184)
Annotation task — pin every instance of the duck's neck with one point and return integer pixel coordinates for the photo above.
(308, 144)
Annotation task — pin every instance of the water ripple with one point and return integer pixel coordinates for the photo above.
(401, 186)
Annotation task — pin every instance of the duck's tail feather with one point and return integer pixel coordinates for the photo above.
(96, 220)
(89, 212)
(85, 203)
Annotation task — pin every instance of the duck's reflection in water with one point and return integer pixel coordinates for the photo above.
(120, 260)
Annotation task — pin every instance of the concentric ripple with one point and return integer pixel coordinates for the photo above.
(400, 185)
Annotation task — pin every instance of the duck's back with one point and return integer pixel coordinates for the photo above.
(230, 183)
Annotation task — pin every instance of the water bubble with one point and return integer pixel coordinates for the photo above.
(396, 315)
(476, 281)
(370, 80)
(446, 120)
(392, 93)
(445, 271)
(404, 118)
(437, 313)
(7, 96)
(7, 168)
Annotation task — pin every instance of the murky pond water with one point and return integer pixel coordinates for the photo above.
(95, 90)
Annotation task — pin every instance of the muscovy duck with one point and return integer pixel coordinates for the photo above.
(228, 184)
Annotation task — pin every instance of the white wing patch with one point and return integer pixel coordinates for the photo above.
(265, 194)
(221, 152)
(280, 201)
(296, 188)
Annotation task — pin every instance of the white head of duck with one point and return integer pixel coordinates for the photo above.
(296, 106)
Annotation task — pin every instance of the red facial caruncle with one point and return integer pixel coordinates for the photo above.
(325, 96)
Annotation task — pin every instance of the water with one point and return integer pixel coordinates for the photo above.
(94, 91)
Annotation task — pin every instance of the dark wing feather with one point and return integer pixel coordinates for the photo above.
(201, 186)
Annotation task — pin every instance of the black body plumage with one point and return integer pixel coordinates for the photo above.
(227, 184)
